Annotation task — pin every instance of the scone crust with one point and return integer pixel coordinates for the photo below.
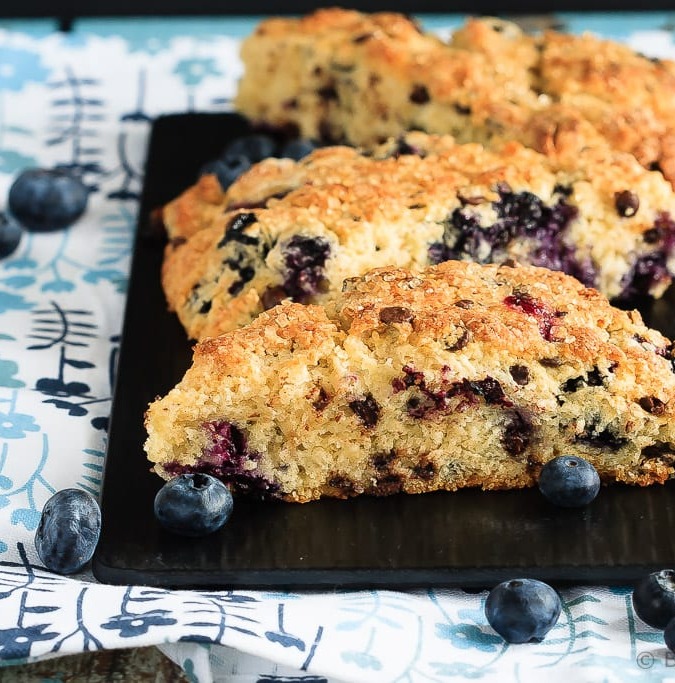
(361, 78)
(460, 375)
(410, 209)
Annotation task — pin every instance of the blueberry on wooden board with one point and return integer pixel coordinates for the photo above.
(193, 504)
(297, 149)
(227, 169)
(569, 481)
(254, 147)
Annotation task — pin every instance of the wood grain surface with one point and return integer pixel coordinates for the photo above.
(139, 665)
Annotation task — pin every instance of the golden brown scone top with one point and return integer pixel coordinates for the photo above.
(533, 314)
(511, 85)
(338, 174)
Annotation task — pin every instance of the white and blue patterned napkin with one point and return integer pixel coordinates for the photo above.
(88, 100)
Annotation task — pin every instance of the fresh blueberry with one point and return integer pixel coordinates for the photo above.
(193, 504)
(569, 481)
(654, 598)
(297, 149)
(10, 235)
(669, 635)
(43, 199)
(254, 147)
(227, 169)
(522, 610)
(68, 531)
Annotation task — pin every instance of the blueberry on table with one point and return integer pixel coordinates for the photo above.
(654, 598)
(44, 199)
(10, 235)
(227, 169)
(523, 610)
(254, 147)
(297, 149)
(193, 504)
(569, 481)
(69, 530)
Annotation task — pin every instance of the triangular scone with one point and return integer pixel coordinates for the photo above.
(420, 201)
(347, 76)
(463, 375)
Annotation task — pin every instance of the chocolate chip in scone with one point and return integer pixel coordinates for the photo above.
(551, 362)
(593, 378)
(564, 190)
(205, 307)
(339, 481)
(460, 342)
(387, 485)
(246, 274)
(396, 314)
(517, 435)
(367, 410)
(520, 374)
(419, 94)
(322, 399)
(652, 405)
(382, 461)
(464, 303)
(403, 147)
(234, 230)
(461, 109)
(627, 203)
(491, 390)
(327, 93)
(425, 470)
(661, 451)
(362, 38)
(606, 437)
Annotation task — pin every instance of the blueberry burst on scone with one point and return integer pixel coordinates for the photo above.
(461, 375)
(340, 75)
(296, 230)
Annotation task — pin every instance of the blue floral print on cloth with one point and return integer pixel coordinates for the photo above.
(86, 101)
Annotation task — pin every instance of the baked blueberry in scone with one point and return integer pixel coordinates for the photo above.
(459, 375)
(297, 229)
(341, 76)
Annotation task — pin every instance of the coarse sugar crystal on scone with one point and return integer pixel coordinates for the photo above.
(341, 75)
(459, 375)
(296, 230)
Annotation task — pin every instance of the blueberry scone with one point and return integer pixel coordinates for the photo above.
(298, 229)
(459, 375)
(341, 75)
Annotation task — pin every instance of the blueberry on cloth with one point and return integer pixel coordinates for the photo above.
(297, 149)
(654, 598)
(227, 169)
(569, 481)
(68, 531)
(254, 147)
(44, 199)
(10, 235)
(669, 635)
(522, 610)
(193, 504)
